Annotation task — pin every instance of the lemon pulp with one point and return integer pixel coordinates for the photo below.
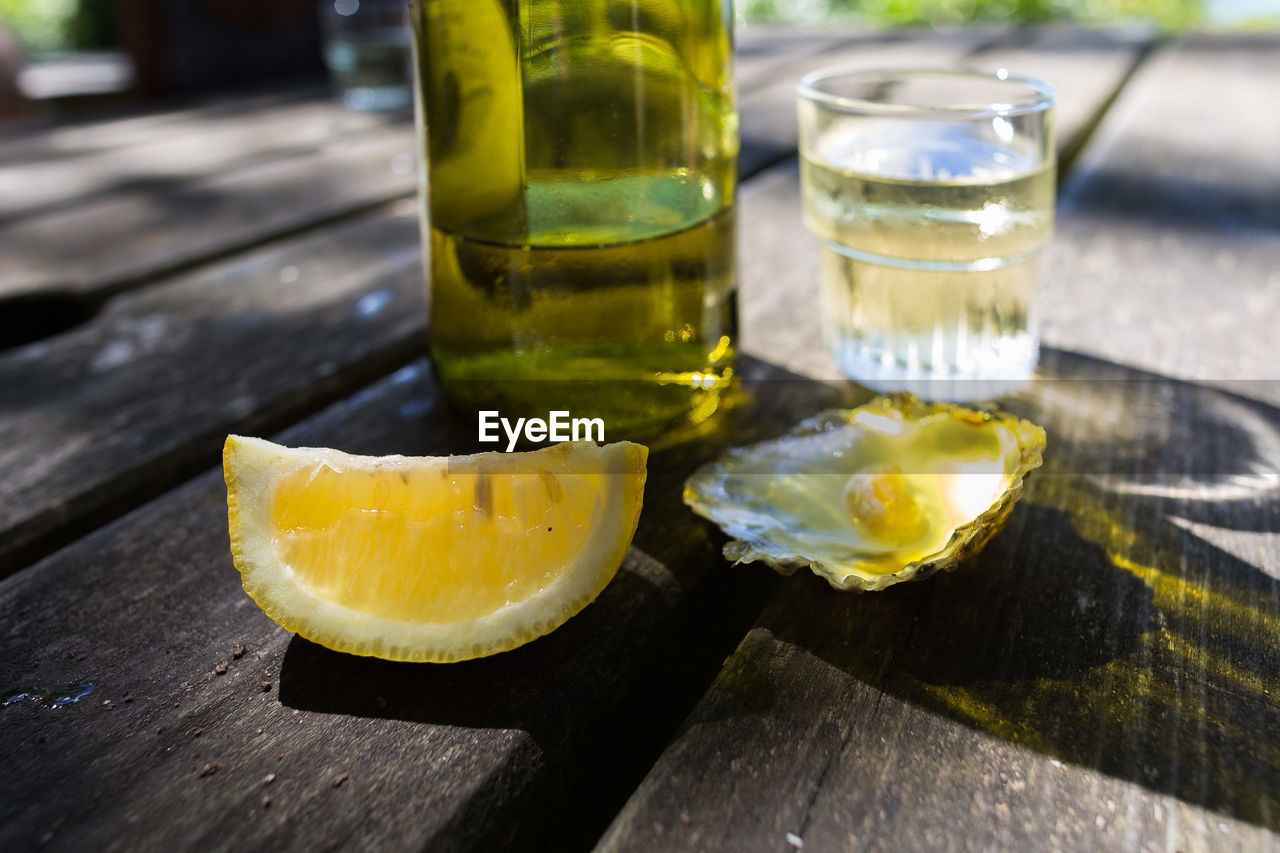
(429, 558)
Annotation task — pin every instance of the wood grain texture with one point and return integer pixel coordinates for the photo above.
(47, 166)
(107, 244)
(1086, 67)
(111, 413)
(533, 749)
(216, 183)
(202, 145)
(161, 217)
(761, 50)
(35, 173)
(537, 747)
(1168, 249)
(768, 121)
(102, 417)
(1105, 675)
(64, 472)
(97, 419)
(67, 140)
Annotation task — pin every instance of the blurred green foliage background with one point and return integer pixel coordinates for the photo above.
(1169, 15)
(56, 25)
(52, 25)
(1172, 15)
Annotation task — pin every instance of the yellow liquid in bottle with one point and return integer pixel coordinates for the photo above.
(582, 158)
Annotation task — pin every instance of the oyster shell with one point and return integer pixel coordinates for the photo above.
(890, 491)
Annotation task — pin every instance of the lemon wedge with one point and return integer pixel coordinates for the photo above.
(429, 558)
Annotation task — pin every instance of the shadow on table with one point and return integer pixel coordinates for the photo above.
(603, 694)
(670, 555)
(1114, 625)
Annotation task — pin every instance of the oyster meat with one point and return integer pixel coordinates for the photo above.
(890, 491)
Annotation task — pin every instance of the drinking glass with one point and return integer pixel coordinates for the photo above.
(369, 52)
(931, 193)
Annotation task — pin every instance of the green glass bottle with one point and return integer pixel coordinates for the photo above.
(580, 189)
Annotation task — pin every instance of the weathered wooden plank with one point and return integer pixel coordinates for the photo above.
(1167, 255)
(533, 749)
(51, 165)
(101, 452)
(82, 448)
(768, 121)
(71, 139)
(40, 169)
(761, 49)
(1104, 675)
(1087, 67)
(910, 721)
(249, 123)
(213, 143)
(1097, 679)
(448, 760)
(80, 825)
(144, 232)
(72, 464)
(106, 244)
(139, 399)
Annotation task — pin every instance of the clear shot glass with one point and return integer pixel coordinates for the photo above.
(931, 193)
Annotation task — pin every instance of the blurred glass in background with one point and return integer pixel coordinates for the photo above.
(368, 52)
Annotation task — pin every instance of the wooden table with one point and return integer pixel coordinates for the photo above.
(1105, 675)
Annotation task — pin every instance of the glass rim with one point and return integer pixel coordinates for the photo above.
(1043, 95)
